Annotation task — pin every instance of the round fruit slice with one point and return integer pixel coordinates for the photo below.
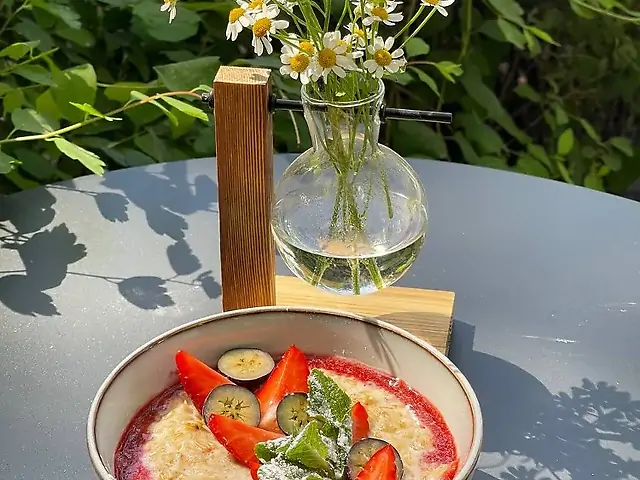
(292, 413)
(234, 402)
(363, 450)
(246, 364)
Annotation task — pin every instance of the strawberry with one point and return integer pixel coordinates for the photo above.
(254, 471)
(197, 378)
(381, 466)
(289, 376)
(360, 421)
(239, 438)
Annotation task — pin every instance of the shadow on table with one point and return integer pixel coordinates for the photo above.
(45, 254)
(537, 435)
(165, 198)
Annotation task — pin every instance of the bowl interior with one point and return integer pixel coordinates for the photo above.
(151, 369)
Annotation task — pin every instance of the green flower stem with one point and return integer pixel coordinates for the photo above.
(75, 126)
(410, 22)
(420, 27)
(10, 69)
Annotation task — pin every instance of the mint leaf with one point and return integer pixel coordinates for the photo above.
(310, 449)
(327, 400)
(270, 449)
(280, 469)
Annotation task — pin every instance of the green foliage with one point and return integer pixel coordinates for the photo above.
(541, 88)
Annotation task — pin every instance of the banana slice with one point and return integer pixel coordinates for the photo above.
(246, 364)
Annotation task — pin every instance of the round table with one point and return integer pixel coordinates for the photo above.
(547, 315)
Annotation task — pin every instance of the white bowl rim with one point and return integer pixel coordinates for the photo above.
(476, 413)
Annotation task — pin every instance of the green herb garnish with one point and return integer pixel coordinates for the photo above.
(319, 451)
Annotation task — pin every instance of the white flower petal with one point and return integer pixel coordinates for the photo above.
(388, 43)
(396, 17)
(267, 45)
(397, 53)
(339, 71)
(393, 67)
(379, 72)
(304, 77)
(368, 21)
(370, 65)
(340, 49)
(279, 24)
(165, 7)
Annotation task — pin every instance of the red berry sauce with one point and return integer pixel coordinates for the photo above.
(444, 450)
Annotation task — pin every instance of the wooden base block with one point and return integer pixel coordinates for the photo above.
(428, 314)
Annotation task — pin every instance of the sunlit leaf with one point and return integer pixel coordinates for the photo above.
(186, 108)
(18, 50)
(566, 142)
(85, 107)
(87, 158)
(188, 75)
(622, 144)
(141, 96)
(29, 120)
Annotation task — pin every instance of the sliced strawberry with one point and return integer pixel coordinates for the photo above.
(289, 376)
(197, 378)
(254, 471)
(360, 421)
(381, 466)
(239, 438)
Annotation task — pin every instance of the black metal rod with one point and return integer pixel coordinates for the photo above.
(385, 112)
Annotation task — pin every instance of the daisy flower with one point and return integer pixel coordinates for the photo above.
(263, 26)
(438, 5)
(295, 63)
(238, 19)
(332, 57)
(382, 13)
(169, 6)
(358, 35)
(383, 58)
(254, 6)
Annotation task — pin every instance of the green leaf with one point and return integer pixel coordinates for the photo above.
(29, 120)
(12, 100)
(188, 75)
(561, 116)
(594, 181)
(5, 88)
(509, 9)
(267, 451)
(491, 161)
(468, 153)
(85, 107)
(586, 126)
(34, 73)
(449, 70)
(46, 105)
(326, 399)
(33, 32)
(77, 84)
(511, 33)
(415, 138)
(484, 96)
(539, 153)
(416, 47)
(18, 50)
(141, 96)
(121, 91)
(479, 133)
(426, 79)
(128, 157)
(63, 12)
(613, 162)
(622, 144)
(7, 163)
(156, 23)
(309, 449)
(531, 166)
(533, 44)
(81, 37)
(33, 163)
(87, 158)
(566, 142)
(186, 108)
(524, 90)
(542, 35)
(401, 78)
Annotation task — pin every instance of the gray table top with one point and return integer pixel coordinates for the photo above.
(547, 321)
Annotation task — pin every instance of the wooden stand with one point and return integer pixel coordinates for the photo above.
(243, 129)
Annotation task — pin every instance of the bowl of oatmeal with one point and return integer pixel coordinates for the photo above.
(285, 393)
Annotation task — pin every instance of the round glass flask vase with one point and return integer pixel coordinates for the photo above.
(349, 215)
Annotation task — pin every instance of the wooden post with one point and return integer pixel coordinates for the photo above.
(244, 151)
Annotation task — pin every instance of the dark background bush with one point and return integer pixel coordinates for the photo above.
(543, 88)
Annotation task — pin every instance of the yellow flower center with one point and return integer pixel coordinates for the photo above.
(299, 62)
(343, 43)
(307, 47)
(256, 4)
(383, 57)
(359, 32)
(432, 2)
(261, 27)
(380, 12)
(326, 58)
(235, 14)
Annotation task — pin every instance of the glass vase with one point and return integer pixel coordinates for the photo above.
(349, 215)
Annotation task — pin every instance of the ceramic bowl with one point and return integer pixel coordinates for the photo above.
(150, 369)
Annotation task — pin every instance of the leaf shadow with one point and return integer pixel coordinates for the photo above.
(540, 435)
